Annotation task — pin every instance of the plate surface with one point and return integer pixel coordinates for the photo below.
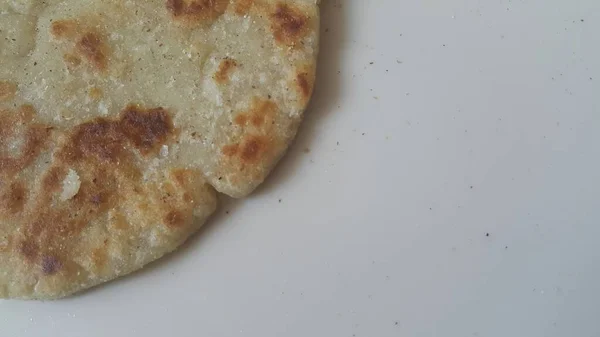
(445, 183)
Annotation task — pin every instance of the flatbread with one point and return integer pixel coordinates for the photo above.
(122, 119)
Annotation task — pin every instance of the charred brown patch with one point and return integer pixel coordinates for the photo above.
(196, 11)
(174, 219)
(187, 180)
(289, 24)
(230, 150)
(242, 7)
(102, 152)
(13, 200)
(105, 155)
(101, 139)
(183, 177)
(93, 48)
(146, 129)
(53, 179)
(51, 265)
(250, 151)
(257, 140)
(64, 28)
(261, 113)
(84, 43)
(252, 148)
(226, 66)
(240, 119)
(257, 120)
(26, 113)
(29, 250)
(304, 83)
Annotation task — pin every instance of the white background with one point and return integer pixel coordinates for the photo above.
(476, 116)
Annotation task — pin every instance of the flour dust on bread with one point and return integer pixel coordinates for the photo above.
(122, 119)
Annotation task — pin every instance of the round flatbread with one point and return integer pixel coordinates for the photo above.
(121, 120)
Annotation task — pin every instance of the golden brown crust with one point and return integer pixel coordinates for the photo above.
(259, 142)
(88, 44)
(242, 7)
(303, 81)
(226, 66)
(93, 48)
(62, 29)
(304, 84)
(193, 12)
(289, 24)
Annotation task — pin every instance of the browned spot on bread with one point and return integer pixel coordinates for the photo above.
(104, 139)
(174, 219)
(262, 112)
(96, 199)
(101, 151)
(64, 29)
(101, 139)
(242, 7)
(183, 177)
(304, 84)
(250, 151)
(29, 250)
(225, 68)
(230, 150)
(7, 90)
(33, 138)
(186, 179)
(257, 120)
(253, 147)
(146, 128)
(196, 11)
(26, 113)
(51, 265)
(13, 199)
(289, 24)
(240, 119)
(53, 178)
(93, 48)
(257, 125)
(84, 42)
(180, 176)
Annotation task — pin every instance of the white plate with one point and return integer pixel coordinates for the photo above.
(434, 124)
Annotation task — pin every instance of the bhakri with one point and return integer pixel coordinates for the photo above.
(122, 119)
